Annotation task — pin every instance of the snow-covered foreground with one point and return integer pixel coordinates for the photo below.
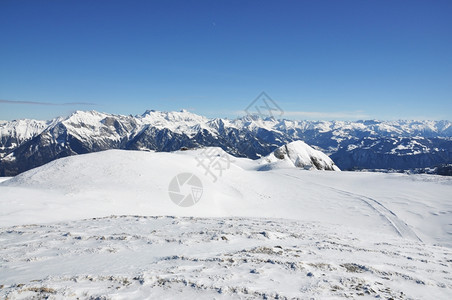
(283, 232)
(134, 257)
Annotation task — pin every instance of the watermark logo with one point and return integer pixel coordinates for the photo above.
(214, 162)
(185, 189)
(264, 106)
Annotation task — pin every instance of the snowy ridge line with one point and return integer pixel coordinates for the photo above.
(184, 122)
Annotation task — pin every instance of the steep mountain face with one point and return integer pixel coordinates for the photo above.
(82, 132)
(14, 133)
(26, 144)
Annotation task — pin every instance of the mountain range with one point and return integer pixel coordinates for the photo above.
(352, 145)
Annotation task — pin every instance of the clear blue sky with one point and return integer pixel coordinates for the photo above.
(317, 59)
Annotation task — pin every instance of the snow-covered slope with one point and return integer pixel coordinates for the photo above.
(300, 155)
(134, 182)
(284, 232)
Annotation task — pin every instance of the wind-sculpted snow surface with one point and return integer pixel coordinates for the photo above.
(135, 257)
(97, 226)
(26, 144)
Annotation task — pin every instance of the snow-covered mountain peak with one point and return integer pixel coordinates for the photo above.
(21, 130)
(173, 116)
(177, 121)
(86, 113)
(147, 112)
(300, 155)
(254, 123)
(90, 117)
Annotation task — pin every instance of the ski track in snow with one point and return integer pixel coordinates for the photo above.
(399, 226)
(133, 257)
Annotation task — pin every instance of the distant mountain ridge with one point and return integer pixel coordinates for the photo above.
(371, 144)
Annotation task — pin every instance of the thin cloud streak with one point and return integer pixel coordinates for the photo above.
(45, 103)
